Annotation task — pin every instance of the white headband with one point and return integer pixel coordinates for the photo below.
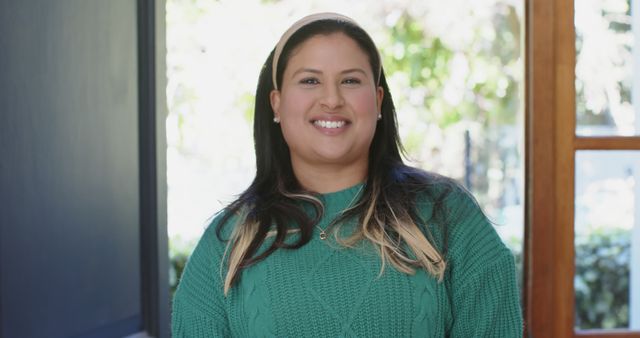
(301, 23)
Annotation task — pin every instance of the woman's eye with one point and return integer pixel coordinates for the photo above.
(309, 81)
(352, 81)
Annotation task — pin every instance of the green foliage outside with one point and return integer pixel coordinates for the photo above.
(492, 76)
(180, 250)
(474, 87)
(604, 68)
(602, 279)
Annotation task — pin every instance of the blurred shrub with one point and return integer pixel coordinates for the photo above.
(602, 279)
(179, 252)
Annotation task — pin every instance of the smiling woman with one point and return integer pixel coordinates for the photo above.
(411, 254)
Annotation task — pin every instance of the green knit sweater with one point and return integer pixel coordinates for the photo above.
(325, 290)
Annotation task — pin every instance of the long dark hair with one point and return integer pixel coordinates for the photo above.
(386, 208)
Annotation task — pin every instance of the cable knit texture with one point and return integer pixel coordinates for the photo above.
(325, 290)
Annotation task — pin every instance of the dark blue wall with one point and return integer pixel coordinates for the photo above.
(70, 245)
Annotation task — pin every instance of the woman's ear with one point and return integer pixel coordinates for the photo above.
(274, 97)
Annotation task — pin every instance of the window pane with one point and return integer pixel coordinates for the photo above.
(607, 235)
(606, 83)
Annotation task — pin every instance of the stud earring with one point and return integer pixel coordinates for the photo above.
(276, 119)
(379, 116)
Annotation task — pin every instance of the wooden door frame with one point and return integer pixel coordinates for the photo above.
(549, 162)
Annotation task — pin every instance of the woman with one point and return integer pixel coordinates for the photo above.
(336, 236)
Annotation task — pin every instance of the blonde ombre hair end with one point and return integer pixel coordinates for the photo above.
(386, 229)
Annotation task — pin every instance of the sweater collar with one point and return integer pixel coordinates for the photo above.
(336, 202)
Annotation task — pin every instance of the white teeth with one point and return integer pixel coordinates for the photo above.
(329, 124)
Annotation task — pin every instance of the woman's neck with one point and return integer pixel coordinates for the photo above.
(329, 178)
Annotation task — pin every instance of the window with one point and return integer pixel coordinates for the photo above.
(581, 141)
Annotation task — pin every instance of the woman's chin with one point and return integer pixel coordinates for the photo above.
(336, 157)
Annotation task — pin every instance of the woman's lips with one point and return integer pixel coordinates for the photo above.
(330, 126)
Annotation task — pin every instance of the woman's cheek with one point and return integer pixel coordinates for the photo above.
(365, 103)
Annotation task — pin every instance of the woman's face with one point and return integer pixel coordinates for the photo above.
(328, 103)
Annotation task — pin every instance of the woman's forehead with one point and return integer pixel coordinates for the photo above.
(333, 40)
(335, 50)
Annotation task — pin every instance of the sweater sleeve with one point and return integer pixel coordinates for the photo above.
(199, 304)
(483, 288)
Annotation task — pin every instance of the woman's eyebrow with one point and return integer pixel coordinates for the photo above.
(316, 71)
(306, 70)
(352, 70)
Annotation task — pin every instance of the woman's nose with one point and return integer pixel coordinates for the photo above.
(332, 97)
